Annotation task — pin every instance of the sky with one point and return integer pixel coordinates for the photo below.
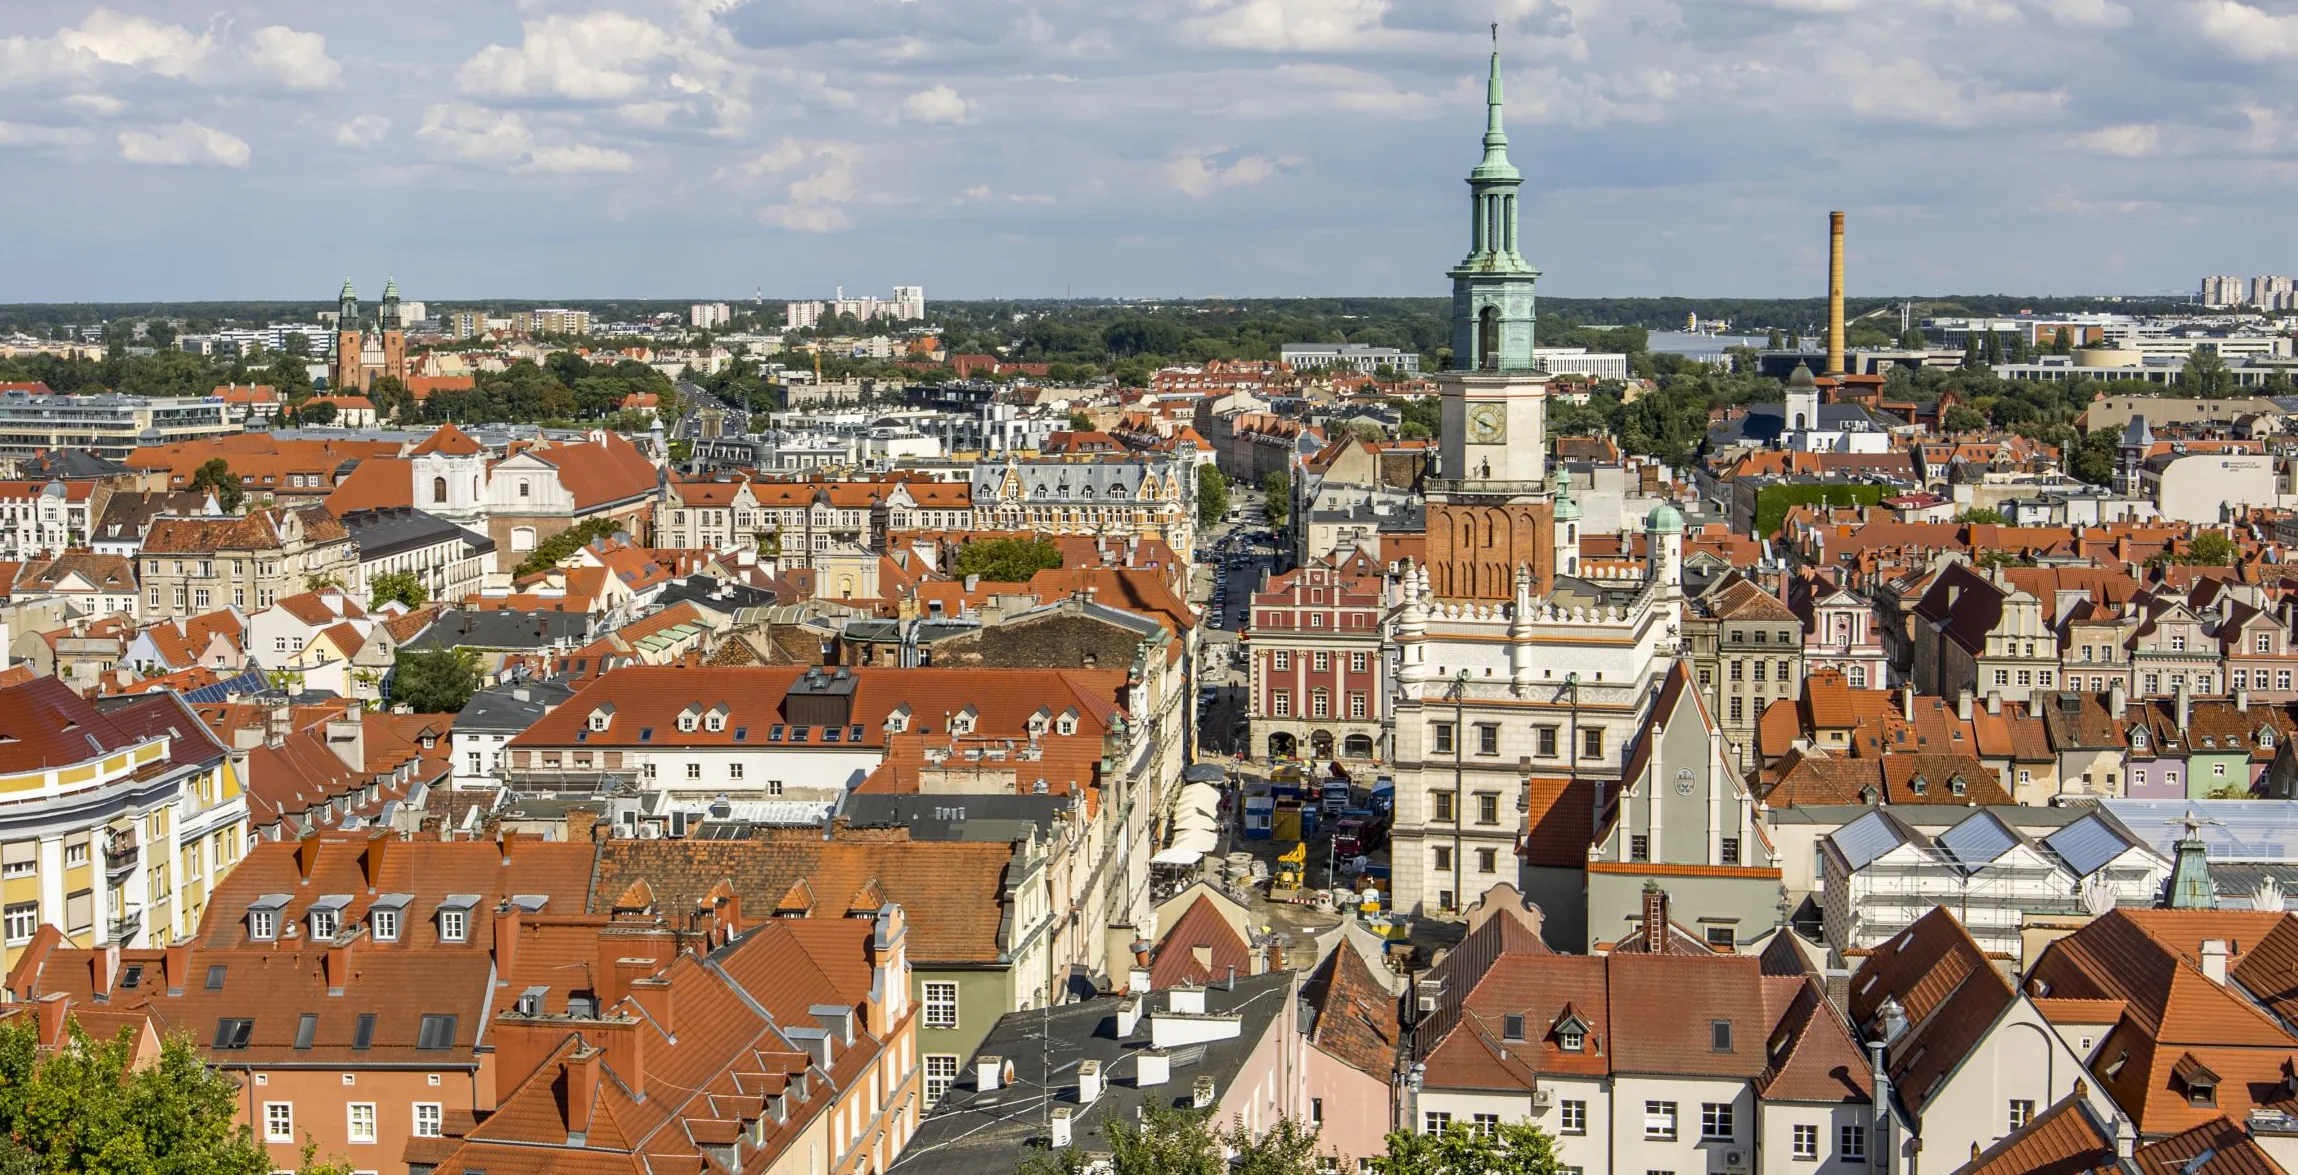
(151, 149)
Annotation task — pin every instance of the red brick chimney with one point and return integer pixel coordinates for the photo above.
(338, 966)
(306, 857)
(655, 996)
(1655, 918)
(371, 859)
(582, 1088)
(624, 1043)
(177, 966)
(53, 1011)
(506, 938)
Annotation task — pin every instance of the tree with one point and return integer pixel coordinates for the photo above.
(1913, 339)
(1007, 560)
(216, 475)
(2094, 461)
(2063, 343)
(2209, 548)
(1982, 516)
(403, 586)
(550, 551)
(435, 681)
(1212, 495)
(2205, 375)
(1080, 422)
(316, 412)
(1170, 1141)
(86, 1109)
(1774, 341)
(1278, 488)
(1963, 418)
(1367, 430)
(392, 399)
(1515, 1148)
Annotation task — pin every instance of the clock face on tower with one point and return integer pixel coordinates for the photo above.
(1487, 424)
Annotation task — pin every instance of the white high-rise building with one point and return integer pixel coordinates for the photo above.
(2225, 290)
(705, 315)
(2272, 292)
(907, 305)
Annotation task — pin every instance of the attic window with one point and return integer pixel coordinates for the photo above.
(829, 734)
(741, 734)
(1919, 785)
(232, 1033)
(1571, 1039)
(132, 976)
(1955, 785)
(686, 722)
(438, 1032)
(600, 717)
(364, 1035)
(646, 734)
(1512, 1028)
(215, 976)
(715, 721)
(1067, 725)
(2138, 739)
(1719, 1035)
(306, 1030)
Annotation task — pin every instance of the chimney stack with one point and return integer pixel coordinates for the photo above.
(1835, 293)
(2214, 954)
(1655, 919)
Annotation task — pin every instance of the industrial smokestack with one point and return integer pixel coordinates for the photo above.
(1835, 293)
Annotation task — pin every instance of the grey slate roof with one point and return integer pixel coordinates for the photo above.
(463, 629)
(510, 708)
(977, 1133)
(394, 529)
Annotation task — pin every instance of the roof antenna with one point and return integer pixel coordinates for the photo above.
(1496, 34)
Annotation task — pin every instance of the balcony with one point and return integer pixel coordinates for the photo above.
(120, 855)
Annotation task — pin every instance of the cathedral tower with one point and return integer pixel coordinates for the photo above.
(1490, 510)
(345, 369)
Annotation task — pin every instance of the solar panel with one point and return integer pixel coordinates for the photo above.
(2087, 845)
(1978, 841)
(1867, 838)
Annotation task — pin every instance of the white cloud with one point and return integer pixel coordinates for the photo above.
(186, 144)
(586, 58)
(939, 104)
(2130, 140)
(99, 105)
(2249, 33)
(296, 60)
(18, 134)
(816, 201)
(1914, 91)
(1287, 24)
(1199, 175)
(2086, 14)
(364, 131)
(460, 132)
(109, 42)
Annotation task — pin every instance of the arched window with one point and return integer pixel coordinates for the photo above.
(438, 489)
(1488, 339)
(522, 538)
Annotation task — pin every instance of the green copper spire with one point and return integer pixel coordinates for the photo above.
(1492, 304)
(347, 290)
(390, 288)
(2190, 885)
(1495, 164)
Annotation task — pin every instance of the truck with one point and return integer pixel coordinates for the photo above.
(1359, 836)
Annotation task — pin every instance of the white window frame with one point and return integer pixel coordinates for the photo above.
(1572, 1116)
(941, 1070)
(430, 1119)
(938, 1003)
(279, 1121)
(1805, 1142)
(353, 1113)
(1659, 1119)
(454, 925)
(383, 924)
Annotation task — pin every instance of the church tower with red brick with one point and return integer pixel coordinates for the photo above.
(361, 355)
(1491, 509)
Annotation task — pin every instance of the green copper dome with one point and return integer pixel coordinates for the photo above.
(1567, 510)
(1664, 519)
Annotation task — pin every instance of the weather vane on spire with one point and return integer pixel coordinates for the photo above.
(1496, 34)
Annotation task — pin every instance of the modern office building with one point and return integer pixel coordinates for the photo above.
(1357, 357)
(108, 424)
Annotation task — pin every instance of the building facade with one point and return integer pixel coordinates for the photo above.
(1318, 686)
(195, 565)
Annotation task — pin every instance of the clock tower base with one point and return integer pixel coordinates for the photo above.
(1479, 534)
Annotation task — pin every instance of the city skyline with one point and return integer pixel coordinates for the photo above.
(1244, 148)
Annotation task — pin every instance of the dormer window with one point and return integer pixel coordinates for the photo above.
(1919, 785)
(1571, 1042)
(1955, 785)
(2266, 739)
(2138, 739)
(687, 721)
(1067, 724)
(326, 916)
(715, 720)
(263, 917)
(455, 917)
(383, 925)
(602, 717)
